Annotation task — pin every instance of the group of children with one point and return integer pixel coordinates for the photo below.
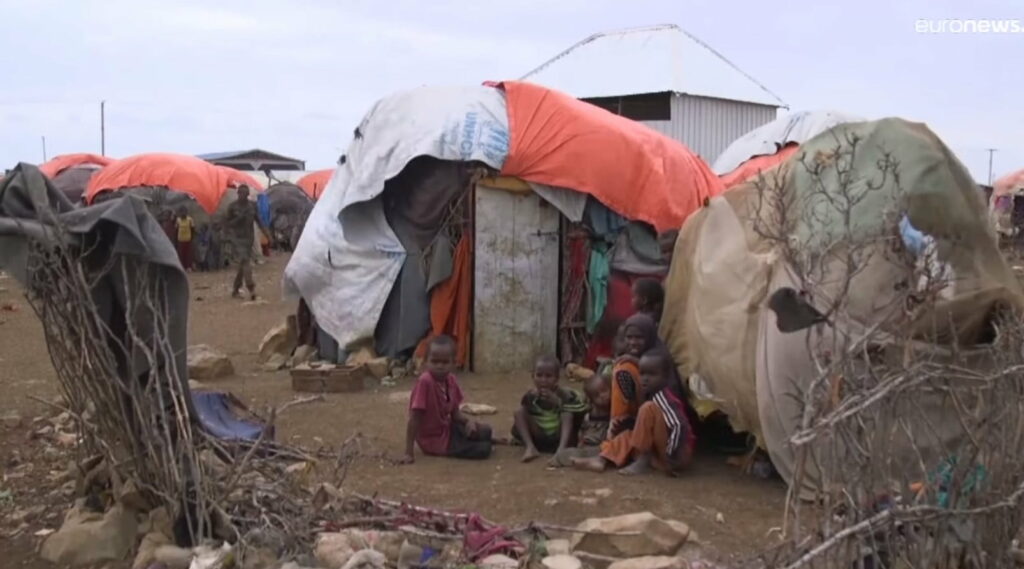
(632, 415)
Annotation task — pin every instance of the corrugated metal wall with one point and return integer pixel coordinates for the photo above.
(707, 126)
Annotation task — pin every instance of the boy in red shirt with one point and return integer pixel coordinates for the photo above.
(435, 422)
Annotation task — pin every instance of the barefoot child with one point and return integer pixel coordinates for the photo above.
(435, 422)
(549, 415)
(662, 437)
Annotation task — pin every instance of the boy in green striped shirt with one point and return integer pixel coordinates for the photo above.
(549, 416)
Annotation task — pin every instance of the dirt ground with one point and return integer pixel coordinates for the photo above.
(729, 510)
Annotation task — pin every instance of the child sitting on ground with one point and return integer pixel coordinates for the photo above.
(661, 438)
(549, 415)
(435, 422)
(594, 429)
(598, 389)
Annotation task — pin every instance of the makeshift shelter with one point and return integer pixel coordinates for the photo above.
(451, 208)
(727, 342)
(1006, 203)
(771, 144)
(70, 173)
(315, 182)
(206, 183)
(289, 209)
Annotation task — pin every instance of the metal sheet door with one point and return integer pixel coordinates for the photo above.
(515, 314)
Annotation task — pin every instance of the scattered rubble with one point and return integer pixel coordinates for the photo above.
(633, 535)
(204, 363)
(562, 562)
(279, 343)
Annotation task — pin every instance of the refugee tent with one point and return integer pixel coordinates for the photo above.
(446, 212)
(773, 143)
(166, 173)
(315, 182)
(289, 208)
(70, 173)
(1006, 204)
(715, 320)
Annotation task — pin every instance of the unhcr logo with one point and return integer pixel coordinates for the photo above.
(969, 26)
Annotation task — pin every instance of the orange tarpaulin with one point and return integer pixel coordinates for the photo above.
(1008, 184)
(315, 182)
(758, 164)
(451, 303)
(239, 178)
(203, 181)
(58, 164)
(637, 172)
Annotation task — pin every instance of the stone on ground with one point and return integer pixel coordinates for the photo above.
(499, 562)
(11, 420)
(562, 562)
(595, 561)
(652, 562)
(366, 559)
(648, 535)
(399, 397)
(204, 362)
(280, 341)
(89, 538)
(558, 547)
(362, 356)
(302, 355)
(379, 367)
(478, 409)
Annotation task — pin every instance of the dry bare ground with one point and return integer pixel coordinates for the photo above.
(502, 489)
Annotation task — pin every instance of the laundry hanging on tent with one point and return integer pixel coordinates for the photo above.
(263, 208)
(598, 278)
(604, 222)
(638, 251)
(451, 304)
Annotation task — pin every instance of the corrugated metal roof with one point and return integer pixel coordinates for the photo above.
(238, 153)
(649, 60)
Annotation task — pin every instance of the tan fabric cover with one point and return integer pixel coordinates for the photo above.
(715, 320)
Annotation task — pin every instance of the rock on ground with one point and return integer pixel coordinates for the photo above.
(204, 362)
(89, 538)
(302, 355)
(653, 562)
(499, 562)
(562, 562)
(478, 409)
(280, 341)
(648, 535)
(558, 547)
(11, 420)
(379, 367)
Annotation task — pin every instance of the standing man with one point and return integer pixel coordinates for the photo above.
(241, 216)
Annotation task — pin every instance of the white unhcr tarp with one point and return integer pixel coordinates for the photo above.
(767, 139)
(348, 257)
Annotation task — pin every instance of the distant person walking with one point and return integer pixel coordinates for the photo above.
(241, 216)
(186, 229)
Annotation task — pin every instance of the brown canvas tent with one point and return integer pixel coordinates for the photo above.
(715, 319)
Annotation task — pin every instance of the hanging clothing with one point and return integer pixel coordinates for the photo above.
(451, 305)
(598, 274)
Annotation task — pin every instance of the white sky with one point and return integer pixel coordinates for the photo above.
(296, 77)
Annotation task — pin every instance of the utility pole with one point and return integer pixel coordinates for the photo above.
(103, 129)
(991, 151)
(44, 148)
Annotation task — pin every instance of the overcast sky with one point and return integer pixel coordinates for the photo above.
(295, 78)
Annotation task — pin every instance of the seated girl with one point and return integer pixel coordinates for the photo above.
(661, 437)
(639, 334)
